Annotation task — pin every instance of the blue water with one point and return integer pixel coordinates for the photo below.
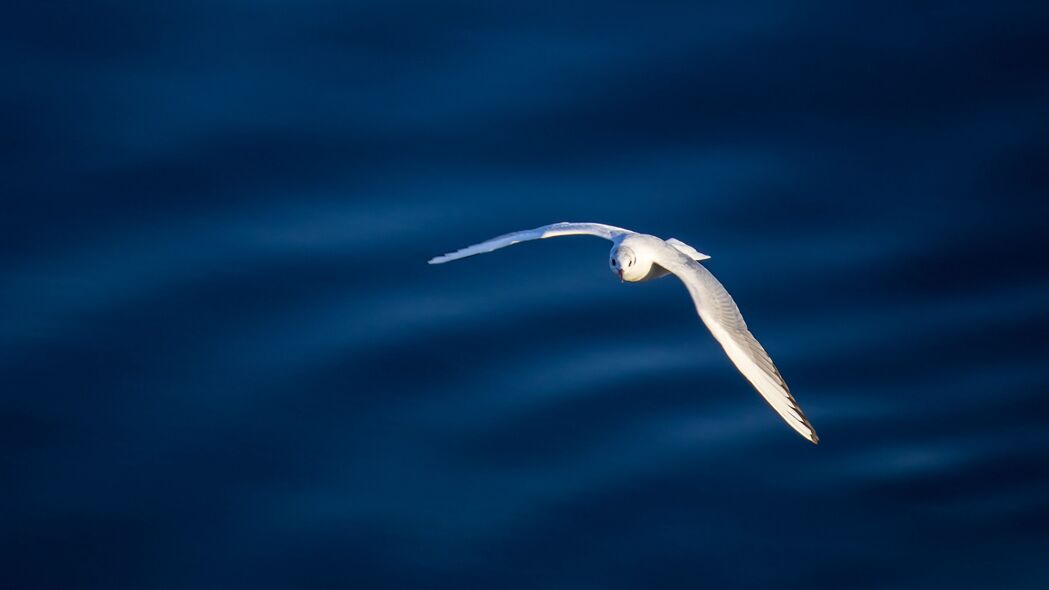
(225, 363)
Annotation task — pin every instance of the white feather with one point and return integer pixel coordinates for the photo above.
(564, 228)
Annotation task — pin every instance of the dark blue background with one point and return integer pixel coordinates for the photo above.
(226, 364)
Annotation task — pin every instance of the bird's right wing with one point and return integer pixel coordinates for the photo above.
(565, 228)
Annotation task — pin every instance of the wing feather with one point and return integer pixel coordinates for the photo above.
(565, 228)
(721, 315)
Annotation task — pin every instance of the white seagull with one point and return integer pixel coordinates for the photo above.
(641, 257)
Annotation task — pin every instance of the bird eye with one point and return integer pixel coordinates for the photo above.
(631, 263)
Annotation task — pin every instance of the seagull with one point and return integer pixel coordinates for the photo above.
(637, 257)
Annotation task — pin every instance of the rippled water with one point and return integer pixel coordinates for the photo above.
(225, 363)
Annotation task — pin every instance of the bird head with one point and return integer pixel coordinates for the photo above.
(628, 265)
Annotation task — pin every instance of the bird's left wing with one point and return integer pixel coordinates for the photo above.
(565, 228)
(719, 312)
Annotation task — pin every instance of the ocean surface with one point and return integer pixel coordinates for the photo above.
(225, 363)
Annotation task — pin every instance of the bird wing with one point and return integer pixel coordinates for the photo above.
(565, 228)
(688, 250)
(720, 314)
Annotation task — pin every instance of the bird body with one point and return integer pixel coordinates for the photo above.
(637, 257)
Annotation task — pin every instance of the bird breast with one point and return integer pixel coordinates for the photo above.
(654, 272)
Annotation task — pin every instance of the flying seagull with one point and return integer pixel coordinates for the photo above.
(641, 257)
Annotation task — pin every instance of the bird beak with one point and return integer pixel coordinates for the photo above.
(620, 275)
